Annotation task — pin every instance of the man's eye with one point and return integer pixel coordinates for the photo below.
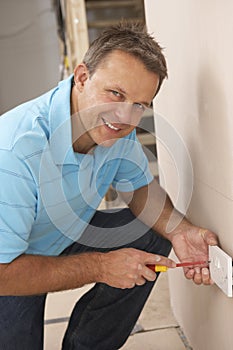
(116, 93)
(139, 107)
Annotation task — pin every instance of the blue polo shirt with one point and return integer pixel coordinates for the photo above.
(49, 193)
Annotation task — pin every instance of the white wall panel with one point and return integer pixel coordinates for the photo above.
(197, 102)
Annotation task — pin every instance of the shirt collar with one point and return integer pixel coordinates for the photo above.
(60, 124)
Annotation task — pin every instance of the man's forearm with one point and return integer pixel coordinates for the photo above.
(170, 222)
(33, 274)
(152, 206)
(121, 268)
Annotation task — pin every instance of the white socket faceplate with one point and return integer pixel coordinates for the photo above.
(221, 269)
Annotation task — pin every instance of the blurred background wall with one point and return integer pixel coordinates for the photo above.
(196, 104)
(29, 50)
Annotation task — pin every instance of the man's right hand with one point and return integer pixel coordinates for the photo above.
(126, 267)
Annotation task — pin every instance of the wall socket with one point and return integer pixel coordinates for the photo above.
(221, 269)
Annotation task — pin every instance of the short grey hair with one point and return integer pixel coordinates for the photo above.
(131, 38)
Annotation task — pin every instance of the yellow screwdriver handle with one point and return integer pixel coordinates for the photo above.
(160, 268)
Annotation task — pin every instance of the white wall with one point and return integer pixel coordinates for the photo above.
(29, 50)
(197, 102)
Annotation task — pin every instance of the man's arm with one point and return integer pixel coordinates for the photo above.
(152, 206)
(33, 274)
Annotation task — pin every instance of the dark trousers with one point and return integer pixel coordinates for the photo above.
(101, 320)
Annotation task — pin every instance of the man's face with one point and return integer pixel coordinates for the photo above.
(110, 104)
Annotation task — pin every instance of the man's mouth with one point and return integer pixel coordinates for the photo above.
(109, 125)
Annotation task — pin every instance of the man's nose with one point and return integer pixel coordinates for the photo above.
(127, 114)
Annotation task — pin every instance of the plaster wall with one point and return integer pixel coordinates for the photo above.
(195, 146)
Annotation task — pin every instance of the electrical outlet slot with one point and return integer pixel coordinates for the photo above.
(221, 269)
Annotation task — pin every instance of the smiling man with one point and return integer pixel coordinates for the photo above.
(59, 154)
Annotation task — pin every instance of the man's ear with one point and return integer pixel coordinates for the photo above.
(80, 76)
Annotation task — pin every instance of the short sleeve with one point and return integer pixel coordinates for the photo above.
(133, 171)
(17, 206)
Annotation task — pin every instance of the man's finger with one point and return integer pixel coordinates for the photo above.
(206, 276)
(197, 276)
(153, 259)
(189, 273)
(209, 237)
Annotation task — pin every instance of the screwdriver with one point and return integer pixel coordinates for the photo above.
(162, 268)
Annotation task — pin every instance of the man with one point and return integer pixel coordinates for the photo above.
(59, 154)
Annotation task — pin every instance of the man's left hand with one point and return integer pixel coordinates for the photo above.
(191, 244)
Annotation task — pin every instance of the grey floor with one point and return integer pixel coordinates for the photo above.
(158, 329)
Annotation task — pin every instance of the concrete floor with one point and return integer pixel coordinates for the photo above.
(158, 327)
